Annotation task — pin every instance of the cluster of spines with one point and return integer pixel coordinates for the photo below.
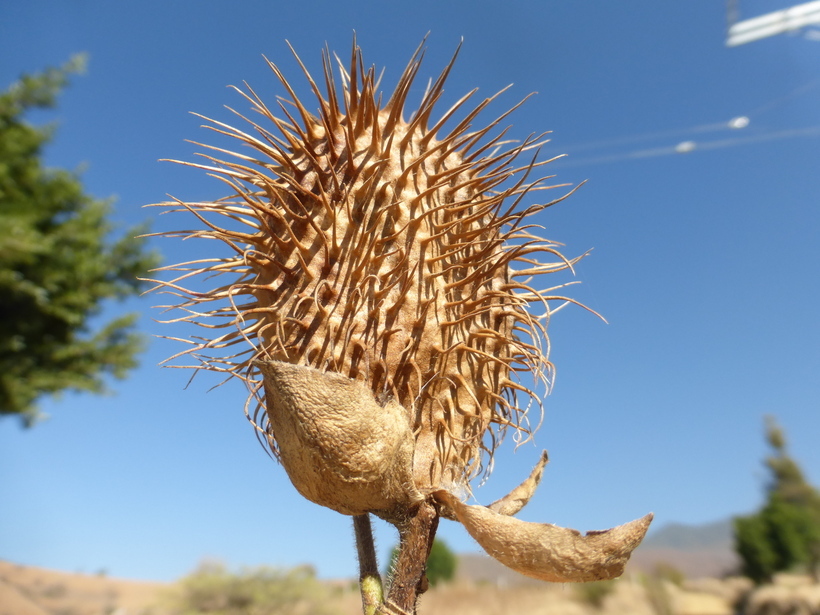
(313, 166)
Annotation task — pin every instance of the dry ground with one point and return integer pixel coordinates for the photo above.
(34, 591)
(27, 590)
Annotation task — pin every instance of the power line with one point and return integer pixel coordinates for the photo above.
(687, 144)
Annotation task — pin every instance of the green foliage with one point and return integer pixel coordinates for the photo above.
(259, 591)
(57, 265)
(752, 544)
(594, 593)
(441, 564)
(785, 534)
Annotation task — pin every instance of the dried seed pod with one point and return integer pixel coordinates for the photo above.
(548, 552)
(382, 277)
(385, 249)
(340, 448)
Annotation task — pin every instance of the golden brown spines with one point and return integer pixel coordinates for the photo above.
(373, 246)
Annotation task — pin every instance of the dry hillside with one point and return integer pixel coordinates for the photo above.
(35, 591)
(27, 590)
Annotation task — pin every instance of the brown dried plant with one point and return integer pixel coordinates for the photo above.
(379, 305)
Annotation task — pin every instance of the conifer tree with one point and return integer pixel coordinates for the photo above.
(785, 534)
(58, 264)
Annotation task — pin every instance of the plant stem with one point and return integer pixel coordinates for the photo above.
(370, 582)
(416, 534)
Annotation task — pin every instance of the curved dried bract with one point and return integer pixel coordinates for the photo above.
(548, 552)
(519, 497)
(515, 500)
(386, 248)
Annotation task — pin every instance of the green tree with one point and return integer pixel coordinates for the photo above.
(58, 264)
(785, 534)
(441, 563)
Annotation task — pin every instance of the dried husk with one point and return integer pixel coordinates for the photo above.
(548, 552)
(340, 448)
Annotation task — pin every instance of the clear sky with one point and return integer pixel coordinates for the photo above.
(705, 265)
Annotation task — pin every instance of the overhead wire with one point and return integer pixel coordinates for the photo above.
(739, 122)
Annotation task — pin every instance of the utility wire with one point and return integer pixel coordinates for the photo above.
(737, 123)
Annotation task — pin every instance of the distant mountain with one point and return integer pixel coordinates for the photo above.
(695, 550)
(691, 537)
(481, 568)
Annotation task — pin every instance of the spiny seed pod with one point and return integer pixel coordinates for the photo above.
(384, 249)
(381, 275)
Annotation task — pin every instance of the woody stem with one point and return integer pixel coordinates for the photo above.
(416, 534)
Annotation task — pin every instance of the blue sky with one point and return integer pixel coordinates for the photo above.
(705, 265)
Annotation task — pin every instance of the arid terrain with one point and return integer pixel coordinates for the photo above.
(34, 591)
(669, 575)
